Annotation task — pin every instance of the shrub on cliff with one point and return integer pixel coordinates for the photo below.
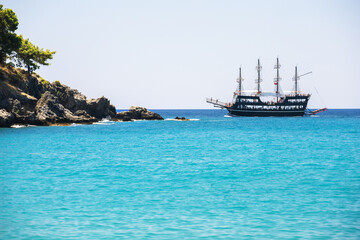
(31, 56)
(16, 47)
(9, 40)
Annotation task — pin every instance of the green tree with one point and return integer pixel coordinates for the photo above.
(9, 41)
(31, 56)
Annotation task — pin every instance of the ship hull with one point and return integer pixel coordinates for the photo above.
(252, 106)
(250, 113)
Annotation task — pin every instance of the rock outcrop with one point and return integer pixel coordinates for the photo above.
(6, 118)
(137, 113)
(100, 108)
(33, 100)
(49, 110)
(181, 119)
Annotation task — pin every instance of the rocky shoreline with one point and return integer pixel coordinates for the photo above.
(31, 100)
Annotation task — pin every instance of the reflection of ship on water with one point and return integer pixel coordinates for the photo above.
(253, 103)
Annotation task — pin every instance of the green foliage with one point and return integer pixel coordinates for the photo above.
(45, 83)
(31, 56)
(16, 47)
(9, 41)
(57, 83)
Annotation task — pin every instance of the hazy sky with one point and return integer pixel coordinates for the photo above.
(174, 54)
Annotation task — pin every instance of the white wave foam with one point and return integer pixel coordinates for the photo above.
(106, 120)
(18, 126)
(104, 123)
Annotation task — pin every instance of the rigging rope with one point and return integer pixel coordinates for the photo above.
(322, 101)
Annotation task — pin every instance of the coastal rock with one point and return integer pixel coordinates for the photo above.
(126, 119)
(122, 116)
(71, 99)
(10, 104)
(32, 100)
(33, 87)
(9, 92)
(82, 113)
(28, 118)
(143, 113)
(6, 118)
(100, 108)
(182, 119)
(49, 110)
(138, 113)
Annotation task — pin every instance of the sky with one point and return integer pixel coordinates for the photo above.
(167, 54)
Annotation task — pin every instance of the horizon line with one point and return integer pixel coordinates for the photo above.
(225, 109)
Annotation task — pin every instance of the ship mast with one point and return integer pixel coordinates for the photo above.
(277, 79)
(258, 80)
(240, 81)
(296, 83)
(296, 78)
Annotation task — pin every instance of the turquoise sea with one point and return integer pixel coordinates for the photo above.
(212, 178)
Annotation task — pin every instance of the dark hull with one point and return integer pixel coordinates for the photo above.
(269, 113)
(252, 106)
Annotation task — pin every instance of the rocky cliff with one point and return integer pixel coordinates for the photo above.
(32, 100)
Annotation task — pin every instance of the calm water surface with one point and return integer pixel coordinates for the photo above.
(213, 178)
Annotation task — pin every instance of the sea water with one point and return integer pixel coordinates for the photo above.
(215, 177)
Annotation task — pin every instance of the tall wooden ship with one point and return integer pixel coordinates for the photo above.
(266, 104)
